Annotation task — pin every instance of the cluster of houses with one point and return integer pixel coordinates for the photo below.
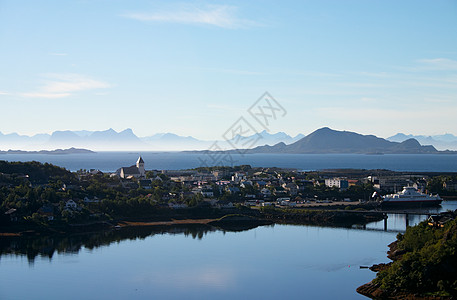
(223, 187)
(49, 211)
(262, 186)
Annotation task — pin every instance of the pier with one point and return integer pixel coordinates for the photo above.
(406, 214)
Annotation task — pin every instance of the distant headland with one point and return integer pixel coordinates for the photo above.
(328, 141)
(50, 152)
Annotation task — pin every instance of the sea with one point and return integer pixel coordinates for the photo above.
(111, 161)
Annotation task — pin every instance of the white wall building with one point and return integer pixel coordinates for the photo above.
(136, 171)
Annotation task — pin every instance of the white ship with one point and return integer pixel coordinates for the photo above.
(411, 197)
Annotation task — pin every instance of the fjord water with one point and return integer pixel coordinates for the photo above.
(268, 262)
(397, 222)
(111, 161)
(200, 262)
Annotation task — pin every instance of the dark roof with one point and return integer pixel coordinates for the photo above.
(130, 170)
(140, 160)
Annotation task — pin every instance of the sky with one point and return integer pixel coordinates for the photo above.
(195, 68)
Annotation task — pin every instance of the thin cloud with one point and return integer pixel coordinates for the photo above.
(235, 71)
(216, 15)
(439, 64)
(65, 85)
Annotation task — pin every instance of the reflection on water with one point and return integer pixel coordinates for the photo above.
(397, 222)
(47, 246)
(198, 262)
(194, 262)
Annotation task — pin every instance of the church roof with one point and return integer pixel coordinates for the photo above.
(140, 160)
(131, 170)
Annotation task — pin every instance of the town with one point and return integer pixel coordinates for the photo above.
(45, 193)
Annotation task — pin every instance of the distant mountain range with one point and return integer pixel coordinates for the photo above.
(326, 140)
(53, 152)
(442, 142)
(125, 140)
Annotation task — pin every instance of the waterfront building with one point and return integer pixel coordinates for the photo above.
(341, 183)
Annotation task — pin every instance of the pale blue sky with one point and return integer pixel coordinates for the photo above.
(193, 68)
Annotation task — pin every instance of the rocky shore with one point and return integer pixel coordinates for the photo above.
(423, 264)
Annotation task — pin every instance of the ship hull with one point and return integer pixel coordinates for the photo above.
(411, 203)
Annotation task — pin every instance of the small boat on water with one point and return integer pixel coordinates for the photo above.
(410, 196)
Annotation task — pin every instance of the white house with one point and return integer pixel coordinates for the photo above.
(292, 188)
(340, 183)
(238, 177)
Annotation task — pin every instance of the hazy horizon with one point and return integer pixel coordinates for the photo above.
(126, 140)
(86, 131)
(194, 68)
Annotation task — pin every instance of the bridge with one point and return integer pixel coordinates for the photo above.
(406, 213)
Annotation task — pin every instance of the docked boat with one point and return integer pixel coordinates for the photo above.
(410, 196)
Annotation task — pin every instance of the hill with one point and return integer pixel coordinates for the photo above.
(424, 263)
(326, 140)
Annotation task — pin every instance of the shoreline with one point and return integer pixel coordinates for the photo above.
(426, 235)
(251, 217)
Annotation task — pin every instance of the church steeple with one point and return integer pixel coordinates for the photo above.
(140, 166)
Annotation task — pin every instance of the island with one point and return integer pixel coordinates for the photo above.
(326, 140)
(50, 152)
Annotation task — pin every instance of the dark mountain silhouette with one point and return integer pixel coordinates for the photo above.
(326, 140)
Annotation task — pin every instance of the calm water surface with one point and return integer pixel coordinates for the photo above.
(111, 161)
(269, 262)
(397, 222)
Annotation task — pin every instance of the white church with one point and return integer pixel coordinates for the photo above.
(136, 171)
